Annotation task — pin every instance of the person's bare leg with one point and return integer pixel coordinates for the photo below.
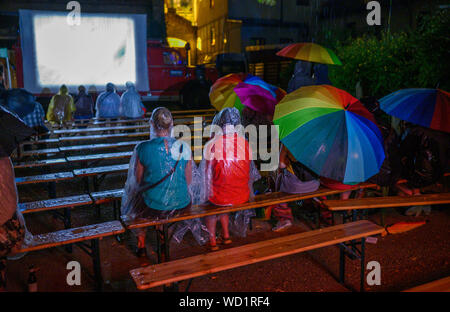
(346, 195)
(211, 226)
(224, 218)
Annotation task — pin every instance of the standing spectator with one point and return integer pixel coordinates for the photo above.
(84, 105)
(130, 103)
(302, 76)
(321, 74)
(61, 106)
(108, 103)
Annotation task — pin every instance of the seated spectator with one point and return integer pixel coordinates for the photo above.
(425, 159)
(61, 106)
(35, 120)
(157, 183)
(108, 103)
(295, 178)
(321, 74)
(130, 103)
(84, 105)
(227, 169)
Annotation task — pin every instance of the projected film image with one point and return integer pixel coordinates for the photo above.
(99, 50)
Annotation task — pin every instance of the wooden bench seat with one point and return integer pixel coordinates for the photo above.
(441, 285)
(188, 268)
(103, 197)
(100, 170)
(55, 203)
(387, 201)
(264, 200)
(100, 156)
(87, 130)
(39, 163)
(39, 152)
(103, 136)
(97, 146)
(79, 236)
(42, 178)
(41, 141)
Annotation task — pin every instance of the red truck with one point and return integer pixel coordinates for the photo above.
(170, 79)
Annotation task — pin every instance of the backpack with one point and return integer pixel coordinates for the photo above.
(423, 165)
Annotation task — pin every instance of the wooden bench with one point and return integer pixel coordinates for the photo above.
(66, 203)
(387, 201)
(43, 178)
(188, 268)
(39, 152)
(97, 137)
(82, 158)
(441, 285)
(39, 163)
(107, 196)
(79, 236)
(97, 146)
(199, 211)
(364, 204)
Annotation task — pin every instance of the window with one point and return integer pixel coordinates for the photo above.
(171, 58)
(303, 2)
(213, 36)
(258, 41)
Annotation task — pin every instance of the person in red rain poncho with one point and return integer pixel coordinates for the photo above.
(227, 170)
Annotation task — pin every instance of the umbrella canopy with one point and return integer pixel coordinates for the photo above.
(330, 132)
(18, 101)
(252, 90)
(256, 98)
(425, 107)
(221, 94)
(311, 52)
(12, 132)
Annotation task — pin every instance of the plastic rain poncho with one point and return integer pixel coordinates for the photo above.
(131, 209)
(61, 106)
(301, 76)
(130, 102)
(9, 197)
(321, 74)
(228, 172)
(84, 105)
(108, 103)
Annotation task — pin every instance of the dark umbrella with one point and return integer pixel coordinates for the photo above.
(18, 101)
(12, 132)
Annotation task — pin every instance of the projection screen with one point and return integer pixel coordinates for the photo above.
(102, 48)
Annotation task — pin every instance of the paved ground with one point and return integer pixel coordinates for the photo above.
(406, 259)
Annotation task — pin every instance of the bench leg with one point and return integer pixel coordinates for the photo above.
(86, 184)
(51, 189)
(68, 225)
(188, 285)
(363, 267)
(165, 246)
(96, 264)
(341, 264)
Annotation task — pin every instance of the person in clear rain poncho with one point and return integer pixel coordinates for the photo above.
(228, 173)
(108, 103)
(301, 77)
(130, 103)
(158, 179)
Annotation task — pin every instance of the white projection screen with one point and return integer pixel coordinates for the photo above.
(102, 48)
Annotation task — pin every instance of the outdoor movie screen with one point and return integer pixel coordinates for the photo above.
(101, 48)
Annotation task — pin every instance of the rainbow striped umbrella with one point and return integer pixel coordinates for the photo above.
(425, 107)
(331, 133)
(222, 94)
(237, 90)
(311, 52)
